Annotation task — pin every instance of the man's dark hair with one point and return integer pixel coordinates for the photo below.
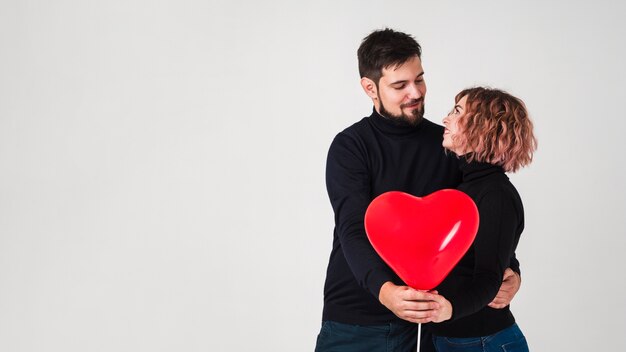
(385, 48)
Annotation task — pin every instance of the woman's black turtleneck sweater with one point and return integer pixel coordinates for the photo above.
(474, 282)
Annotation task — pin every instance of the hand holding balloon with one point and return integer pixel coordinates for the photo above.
(414, 305)
(444, 312)
(408, 303)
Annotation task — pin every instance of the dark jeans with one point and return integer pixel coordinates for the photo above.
(510, 339)
(392, 337)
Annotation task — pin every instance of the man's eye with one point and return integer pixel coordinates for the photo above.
(399, 87)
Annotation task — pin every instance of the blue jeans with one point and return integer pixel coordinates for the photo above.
(392, 337)
(510, 339)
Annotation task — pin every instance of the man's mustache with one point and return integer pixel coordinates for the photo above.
(412, 102)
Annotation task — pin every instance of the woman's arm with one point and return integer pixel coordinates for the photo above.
(493, 246)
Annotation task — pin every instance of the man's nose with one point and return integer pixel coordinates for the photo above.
(414, 92)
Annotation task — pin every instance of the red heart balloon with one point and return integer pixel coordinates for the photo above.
(422, 239)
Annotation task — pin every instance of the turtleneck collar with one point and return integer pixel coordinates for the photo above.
(385, 125)
(475, 169)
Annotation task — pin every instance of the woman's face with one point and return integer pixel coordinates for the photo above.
(450, 123)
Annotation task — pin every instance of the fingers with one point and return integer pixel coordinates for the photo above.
(409, 304)
(419, 317)
(415, 295)
(419, 305)
(496, 305)
(511, 279)
(423, 307)
(438, 314)
(501, 301)
(508, 273)
(439, 299)
(508, 284)
(508, 289)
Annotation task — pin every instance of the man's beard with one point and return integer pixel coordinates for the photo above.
(403, 119)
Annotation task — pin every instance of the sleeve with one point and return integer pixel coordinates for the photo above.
(348, 183)
(493, 248)
(514, 264)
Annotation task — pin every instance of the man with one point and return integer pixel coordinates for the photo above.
(366, 306)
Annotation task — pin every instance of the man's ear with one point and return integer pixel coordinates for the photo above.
(369, 87)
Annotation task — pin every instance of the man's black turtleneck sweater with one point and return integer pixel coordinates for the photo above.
(476, 279)
(371, 157)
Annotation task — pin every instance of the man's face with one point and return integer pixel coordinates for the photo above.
(401, 92)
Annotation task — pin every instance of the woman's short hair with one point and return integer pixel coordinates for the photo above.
(496, 128)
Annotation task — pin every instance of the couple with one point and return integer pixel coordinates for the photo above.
(487, 133)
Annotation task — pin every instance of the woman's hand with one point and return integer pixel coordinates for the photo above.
(444, 310)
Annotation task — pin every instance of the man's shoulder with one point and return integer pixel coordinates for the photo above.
(357, 131)
(358, 127)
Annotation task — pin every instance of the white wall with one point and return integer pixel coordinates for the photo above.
(162, 164)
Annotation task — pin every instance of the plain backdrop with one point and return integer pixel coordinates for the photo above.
(162, 163)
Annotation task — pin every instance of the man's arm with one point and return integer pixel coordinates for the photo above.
(348, 182)
(511, 283)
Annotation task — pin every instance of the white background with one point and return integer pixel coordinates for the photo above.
(162, 163)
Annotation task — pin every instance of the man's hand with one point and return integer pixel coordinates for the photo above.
(409, 304)
(510, 285)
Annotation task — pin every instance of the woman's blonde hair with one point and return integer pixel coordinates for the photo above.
(496, 128)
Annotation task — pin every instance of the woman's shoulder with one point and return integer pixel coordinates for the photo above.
(493, 185)
(499, 193)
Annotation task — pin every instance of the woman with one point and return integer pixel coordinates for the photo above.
(491, 133)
